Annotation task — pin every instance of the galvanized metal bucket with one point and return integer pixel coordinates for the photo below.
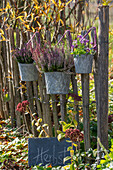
(83, 64)
(57, 82)
(28, 72)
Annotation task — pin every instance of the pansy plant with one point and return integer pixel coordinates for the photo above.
(82, 46)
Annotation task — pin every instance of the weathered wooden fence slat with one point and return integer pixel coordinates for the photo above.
(75, 91)
(17, 97)
(103, 48)
(1, 98)
(55, 113)
(73, 79)
(85, 98)
(63, 110)
(31, 105)
(95, 70)
(5, 83)
(38, 104)
(10, 74)
(47, 108)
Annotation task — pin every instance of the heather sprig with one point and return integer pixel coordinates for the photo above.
(50, 58)
(23, 55)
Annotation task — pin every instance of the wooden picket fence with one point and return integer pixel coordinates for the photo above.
(35, 92)
(35, 96)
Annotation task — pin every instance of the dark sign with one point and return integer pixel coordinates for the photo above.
(47, 150)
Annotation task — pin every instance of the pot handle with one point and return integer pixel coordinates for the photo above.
(95, 39)
(33, 37)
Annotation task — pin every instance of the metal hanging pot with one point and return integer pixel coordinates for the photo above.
(83, 64)
(28, 72)
(57, 82)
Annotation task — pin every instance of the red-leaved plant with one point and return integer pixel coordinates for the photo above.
(74, 134)
(21, 107)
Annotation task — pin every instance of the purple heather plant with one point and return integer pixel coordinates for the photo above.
(50, 59)
(23, 55)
